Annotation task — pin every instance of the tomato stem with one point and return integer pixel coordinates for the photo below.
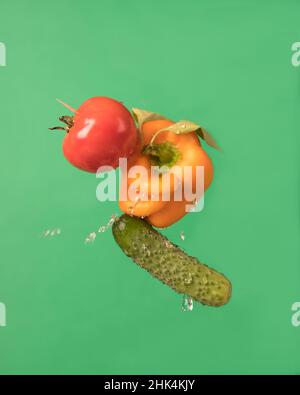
(59, 128)
(69, 121)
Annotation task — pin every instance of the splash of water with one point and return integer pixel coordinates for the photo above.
(52, 232)
(103, 228)
(132, 208)
(187, 303)
(168, 244)
(90, 237)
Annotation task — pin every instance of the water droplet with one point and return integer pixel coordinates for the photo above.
(121, 226)
(182, 235)
(112, 220)
(188, 279)
(131, 208)
(52, 232)
(187, 303)
(204, 280)
(91, 237)
(146, 250)
(168, 244)
(103, 228)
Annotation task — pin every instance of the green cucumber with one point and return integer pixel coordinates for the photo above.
(168, 263)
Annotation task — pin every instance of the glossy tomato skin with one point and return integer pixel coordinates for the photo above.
(103, 132)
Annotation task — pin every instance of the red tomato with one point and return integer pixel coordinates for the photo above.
(103, 131)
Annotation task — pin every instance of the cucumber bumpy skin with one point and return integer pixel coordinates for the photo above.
(168, 263)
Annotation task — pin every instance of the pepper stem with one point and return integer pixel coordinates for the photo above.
(165, 154)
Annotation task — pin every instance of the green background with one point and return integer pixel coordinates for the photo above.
(76, 308)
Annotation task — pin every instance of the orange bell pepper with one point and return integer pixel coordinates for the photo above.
(174, 151)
